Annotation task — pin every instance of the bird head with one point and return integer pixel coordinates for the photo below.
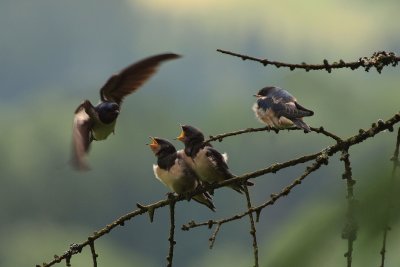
(266, 91)
(190, 134)
(108, 111)
(161, 146)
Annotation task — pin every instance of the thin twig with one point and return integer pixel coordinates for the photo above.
(273, 198)
(383, 250)
(214, 236)
(94, 254)
(252, 226)
(320, 130)
(350, 229)
(171, 233)
(387, 228)
(378, 60)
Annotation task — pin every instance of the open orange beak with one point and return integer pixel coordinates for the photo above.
(153, 145)
(181, 137)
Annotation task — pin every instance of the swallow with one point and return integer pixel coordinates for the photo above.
(277, 108)
(98, 122)
(209, 164)
(173, 171)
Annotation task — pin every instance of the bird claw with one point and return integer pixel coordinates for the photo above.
(170, 195)
(211, 190)
(187, 196)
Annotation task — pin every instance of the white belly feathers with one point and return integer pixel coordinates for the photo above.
(268, 117)
(174, 178)
(101, 131)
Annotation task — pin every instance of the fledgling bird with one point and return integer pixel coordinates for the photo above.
(173, 171)
(210, 165)
(98, 122)
(277, 108)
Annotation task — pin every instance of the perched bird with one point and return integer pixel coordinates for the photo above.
(278, 108)
(173, 171)
(210, 165)
(98, 122)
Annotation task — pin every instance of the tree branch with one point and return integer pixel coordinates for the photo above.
(214, 236)
(350, 229)
(93, 251)
(320, 130)
(320, 158)
(378, 60)
(389, 206)
(171, 233)
(252, 226)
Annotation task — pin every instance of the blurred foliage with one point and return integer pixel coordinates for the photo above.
(314, 238)
(56, 54)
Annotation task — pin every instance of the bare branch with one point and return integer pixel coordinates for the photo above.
(214, 236)
(171, 232)
(389, 206)
(93, 251)
(320, 130)
(378, 60)
(350, 229)
(252, 226)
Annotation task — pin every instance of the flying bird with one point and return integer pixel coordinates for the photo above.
(98, 122)
(173, 171)
(209, 164)
(277, 108)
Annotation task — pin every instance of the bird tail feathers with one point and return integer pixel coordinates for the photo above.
(205, 200)
(305, 112)
(238, 187)
(302, 125)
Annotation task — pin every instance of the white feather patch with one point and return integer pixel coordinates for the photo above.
(225, 157)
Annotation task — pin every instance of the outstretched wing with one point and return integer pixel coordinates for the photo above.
(81, 138)
(132, 77)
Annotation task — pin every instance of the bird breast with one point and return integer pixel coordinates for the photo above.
(269, 117)
(175, 178)
(101, 130)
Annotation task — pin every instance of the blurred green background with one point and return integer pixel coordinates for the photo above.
(54, 54)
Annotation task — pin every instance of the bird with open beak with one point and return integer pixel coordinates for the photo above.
(173, 171)
(209, 164)
(277, 108)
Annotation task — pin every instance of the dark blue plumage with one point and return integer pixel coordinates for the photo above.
(107, 111)
(278, 108)
(209, 164)
(277, 93)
